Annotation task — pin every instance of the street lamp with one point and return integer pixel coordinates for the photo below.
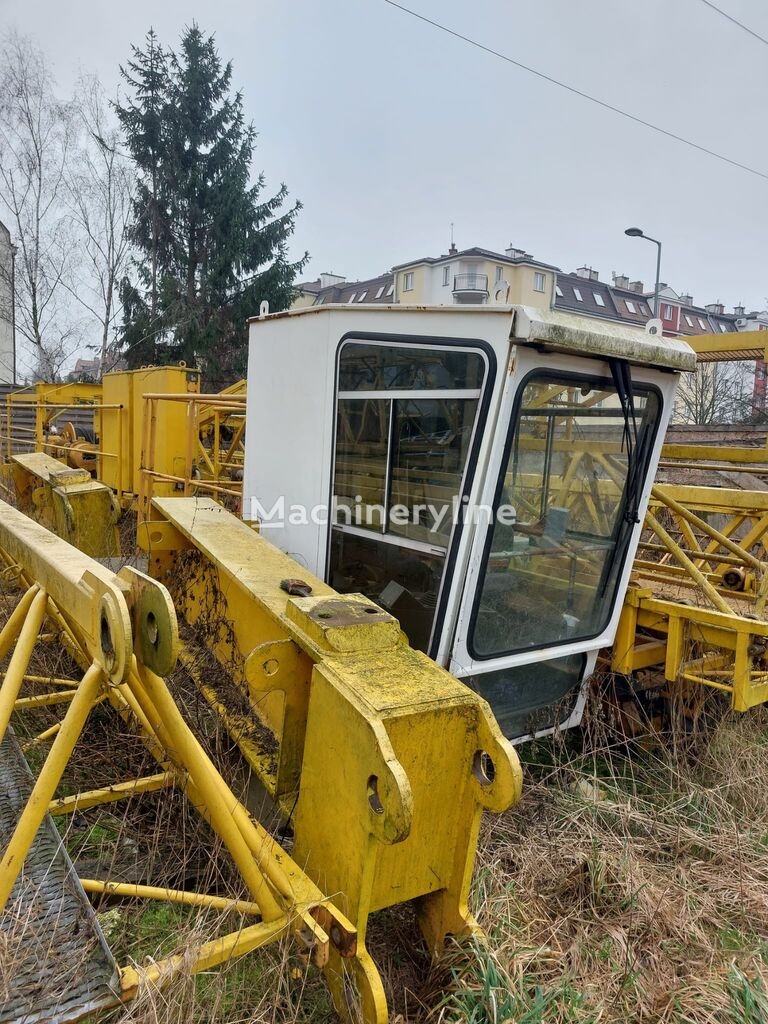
(639, 233)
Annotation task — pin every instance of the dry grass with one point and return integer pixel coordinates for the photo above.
(630, 885)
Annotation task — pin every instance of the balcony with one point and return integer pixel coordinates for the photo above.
(470, 288)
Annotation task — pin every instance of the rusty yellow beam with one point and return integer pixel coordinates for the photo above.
(110, 794)
(178, 896)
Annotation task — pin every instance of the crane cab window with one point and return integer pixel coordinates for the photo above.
(406, 416)
(575, 464)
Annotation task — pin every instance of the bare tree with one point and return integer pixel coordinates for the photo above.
(36, 134)
(718, 392)
(99, 190)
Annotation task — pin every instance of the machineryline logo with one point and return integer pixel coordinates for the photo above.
(436, 517)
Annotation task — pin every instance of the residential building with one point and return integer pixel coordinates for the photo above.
(479, 275)
(7, 308)
(475, 276)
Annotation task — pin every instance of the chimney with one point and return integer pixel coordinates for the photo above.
(738, 310)
(326, 279)
(587, 273)
(686, 299)
(516, 254)
(620, 280)
(637, 286)
(715, 307)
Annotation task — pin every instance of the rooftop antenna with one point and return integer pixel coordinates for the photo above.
(453, 250)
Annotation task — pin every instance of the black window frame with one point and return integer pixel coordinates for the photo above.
(544, 373)
(487, 390)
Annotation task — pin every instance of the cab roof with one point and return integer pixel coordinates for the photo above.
(547, 328)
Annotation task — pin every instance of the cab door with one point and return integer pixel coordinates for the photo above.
(568, 481)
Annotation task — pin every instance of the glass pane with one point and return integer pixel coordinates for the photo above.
(399, 367)
(529, 698)
(558, 538)
(362, 440)
(403, 581)
(430, 442)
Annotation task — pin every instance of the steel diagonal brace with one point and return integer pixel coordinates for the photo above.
(105, 613)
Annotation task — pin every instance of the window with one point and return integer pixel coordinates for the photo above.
(599, 298)
(538, 282)
(630, 306)
(390, 290)
(558, 291)
(446, 276)
(577, 293)
(723, 327)
(405, 419)
(362, 296)
(643, 308)
(702, 324)
(568, 520)
(666, 312)
(408, 281)
(352, 297)
(499, 274)
(688, 320)
(380, 292)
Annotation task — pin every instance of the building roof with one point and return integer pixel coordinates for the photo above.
(631, 306)
(375, 289)
(478, 253)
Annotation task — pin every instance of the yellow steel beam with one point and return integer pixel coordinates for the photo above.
(729, 342)
(416, 755)
(109, 794)
(674, 548)
(41, 700)
(716, 499)
(207, 955)
(179, 896)
(37, 805)
(14, 677)
(81, 510)
(102, 610)
(727, 456)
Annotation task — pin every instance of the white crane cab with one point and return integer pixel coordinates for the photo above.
(480, 472)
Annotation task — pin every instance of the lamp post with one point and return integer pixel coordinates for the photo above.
(639, 233)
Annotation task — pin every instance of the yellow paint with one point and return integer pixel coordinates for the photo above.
(391, 758)
(79, 509)
(110, 794)
(122, 427)
(36, 806)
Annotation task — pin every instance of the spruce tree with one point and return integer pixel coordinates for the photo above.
(210, 249)
(142, 119)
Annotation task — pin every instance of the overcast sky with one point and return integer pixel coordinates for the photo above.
(389, 130)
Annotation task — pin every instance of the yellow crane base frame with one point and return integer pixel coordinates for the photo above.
(69, 502)
(396, 760)
(121, 630)
(695, 609)
(383, 761)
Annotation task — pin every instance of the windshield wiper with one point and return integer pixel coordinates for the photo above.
(622, 379)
